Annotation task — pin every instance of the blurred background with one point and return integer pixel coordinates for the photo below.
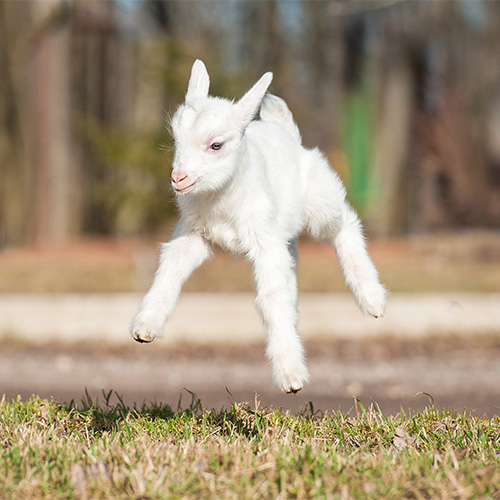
(403, 97)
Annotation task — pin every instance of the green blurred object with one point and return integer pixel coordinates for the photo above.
(357, 129)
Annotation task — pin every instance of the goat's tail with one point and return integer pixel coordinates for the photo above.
(274, 109)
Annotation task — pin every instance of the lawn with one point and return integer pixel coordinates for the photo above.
(107, 450)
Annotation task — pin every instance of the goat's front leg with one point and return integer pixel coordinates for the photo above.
(178, 259)
(277, 303)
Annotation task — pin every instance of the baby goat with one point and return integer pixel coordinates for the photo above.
(250, 188)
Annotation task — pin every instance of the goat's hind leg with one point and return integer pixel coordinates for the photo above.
(274, 269)
(330, 218)
(360, 273)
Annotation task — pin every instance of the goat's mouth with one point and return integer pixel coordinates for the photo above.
(184, 189)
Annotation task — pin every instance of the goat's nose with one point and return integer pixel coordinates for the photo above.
(178, 176)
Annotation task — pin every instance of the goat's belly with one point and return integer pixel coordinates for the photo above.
(226, 238)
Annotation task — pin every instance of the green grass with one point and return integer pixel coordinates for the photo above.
(112, 451)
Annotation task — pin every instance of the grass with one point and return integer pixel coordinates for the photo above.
(112, 451)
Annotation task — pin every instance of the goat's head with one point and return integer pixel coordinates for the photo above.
(208, 132)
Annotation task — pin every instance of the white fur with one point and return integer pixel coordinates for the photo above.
(253, 196)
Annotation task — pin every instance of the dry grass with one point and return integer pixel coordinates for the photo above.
(111, 451)
(437, 263)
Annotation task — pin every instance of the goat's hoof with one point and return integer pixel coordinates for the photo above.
(293, 390)
(374, 300)
(291, 381)
(293, 386)
(143, 338)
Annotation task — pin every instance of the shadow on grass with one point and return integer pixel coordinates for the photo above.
(239, 419)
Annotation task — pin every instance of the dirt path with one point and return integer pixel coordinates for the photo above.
(460, 373)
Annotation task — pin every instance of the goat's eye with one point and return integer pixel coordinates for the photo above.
(216, 146)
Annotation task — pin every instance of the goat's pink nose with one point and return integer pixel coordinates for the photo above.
(178, 176)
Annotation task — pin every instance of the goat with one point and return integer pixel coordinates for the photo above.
(250, 188)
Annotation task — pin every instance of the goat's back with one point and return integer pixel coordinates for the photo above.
(275, 110)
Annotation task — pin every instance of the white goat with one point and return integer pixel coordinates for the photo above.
(250, 188)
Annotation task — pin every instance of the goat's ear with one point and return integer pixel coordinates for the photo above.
(247, 106)
(199, 82)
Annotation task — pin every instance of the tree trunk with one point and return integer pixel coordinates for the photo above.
(56, 199)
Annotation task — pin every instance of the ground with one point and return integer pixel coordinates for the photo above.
(395, 372)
